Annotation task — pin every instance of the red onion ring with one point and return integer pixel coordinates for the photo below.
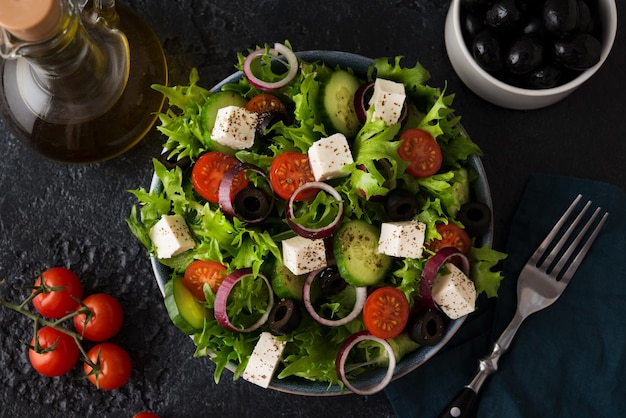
(226, 185)
(221, 299)
(361, 296)
(314, 233)
(281, 49)
(430, 272)
(342, 355)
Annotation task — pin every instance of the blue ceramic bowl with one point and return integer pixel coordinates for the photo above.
(410, 362)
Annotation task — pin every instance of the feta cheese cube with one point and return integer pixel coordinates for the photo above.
(302, 255)
(388, 101)
(171, 236)
(402, 239)
(454, 292)
(264, 360)
(235, 127)
(328, 156)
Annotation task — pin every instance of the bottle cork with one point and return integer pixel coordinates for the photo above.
(30, 20)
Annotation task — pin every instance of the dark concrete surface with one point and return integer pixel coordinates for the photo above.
(53, 214)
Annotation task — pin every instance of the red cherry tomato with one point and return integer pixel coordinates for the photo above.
(145, 414)
(113, 366)
(451, 236)
(106, 318)
(386, 312)
(265, 102)
(289, 171)
(420, 149)
(58, 303)
(200, 272)
(208, 172)
(57, 361)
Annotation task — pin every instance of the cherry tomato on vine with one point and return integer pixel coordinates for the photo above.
(289, 171)
(113, 366)
(419, 148)
(58, 303)
(208, 172)
(106, 318)
(451, 236)
(200, 272)
(59, 360)
(386, 312)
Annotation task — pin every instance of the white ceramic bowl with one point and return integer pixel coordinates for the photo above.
(499, 93)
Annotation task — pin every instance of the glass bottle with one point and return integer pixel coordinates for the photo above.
(76, 77)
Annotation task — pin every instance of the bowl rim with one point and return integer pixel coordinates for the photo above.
(609, 33)
(480, 189)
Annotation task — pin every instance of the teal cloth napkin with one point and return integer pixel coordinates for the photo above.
(566, 361)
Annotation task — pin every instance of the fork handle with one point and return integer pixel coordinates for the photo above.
(462, 406)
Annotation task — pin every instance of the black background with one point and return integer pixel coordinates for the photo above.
(54, 214)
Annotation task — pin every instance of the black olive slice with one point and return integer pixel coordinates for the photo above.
(252, 204)
(401, 205)
(427, 327)
(171, 162)
(331, 281)
(267, 120)
(475, 217)
(285, 317)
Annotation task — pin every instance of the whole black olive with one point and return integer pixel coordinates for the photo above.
(427, 327)
(577, 53)
(534, 27)
(525, 55)
(252, 204)
(504, 14)
(475, 217)
(560, 15)
(284, 318)
(401, 205)
(474, 4)
(472, 24)
(544, 77)
(331, 281)
(585, 22)
(487, 51)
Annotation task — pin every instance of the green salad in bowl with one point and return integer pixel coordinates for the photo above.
(319, 222)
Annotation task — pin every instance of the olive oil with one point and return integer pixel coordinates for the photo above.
(103, 113)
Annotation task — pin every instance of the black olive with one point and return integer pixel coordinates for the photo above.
(474, 4)
(267, 120)
(560, 15)
(525, 55)
(487, 51)
(577, 53)
(284, 318)
(475, 217)
(171, 162)
(427, 327)
(584, 23)
(252, 203)
(401, 205)
(504, 14)
(472, 24)
(330, 281)
(534, 27)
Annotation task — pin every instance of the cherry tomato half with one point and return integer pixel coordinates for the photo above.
(113, 363)
(58, 303)
(265, 103)
(289, 171)
(106, 319)
(208, 172)
(145, 414)
(58, 361)
(451, 236)
(386, 312)
(420, 149)
(200, 272)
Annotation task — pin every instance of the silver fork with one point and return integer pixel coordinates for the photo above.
(541, 282)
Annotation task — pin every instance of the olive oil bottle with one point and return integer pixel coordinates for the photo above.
(75, 79)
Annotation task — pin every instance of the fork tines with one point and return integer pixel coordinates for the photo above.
(577, 244)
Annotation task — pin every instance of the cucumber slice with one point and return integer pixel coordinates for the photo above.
(355, 246)
(217, 101)
(183, 309)
(338, 102)
(286, 284)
